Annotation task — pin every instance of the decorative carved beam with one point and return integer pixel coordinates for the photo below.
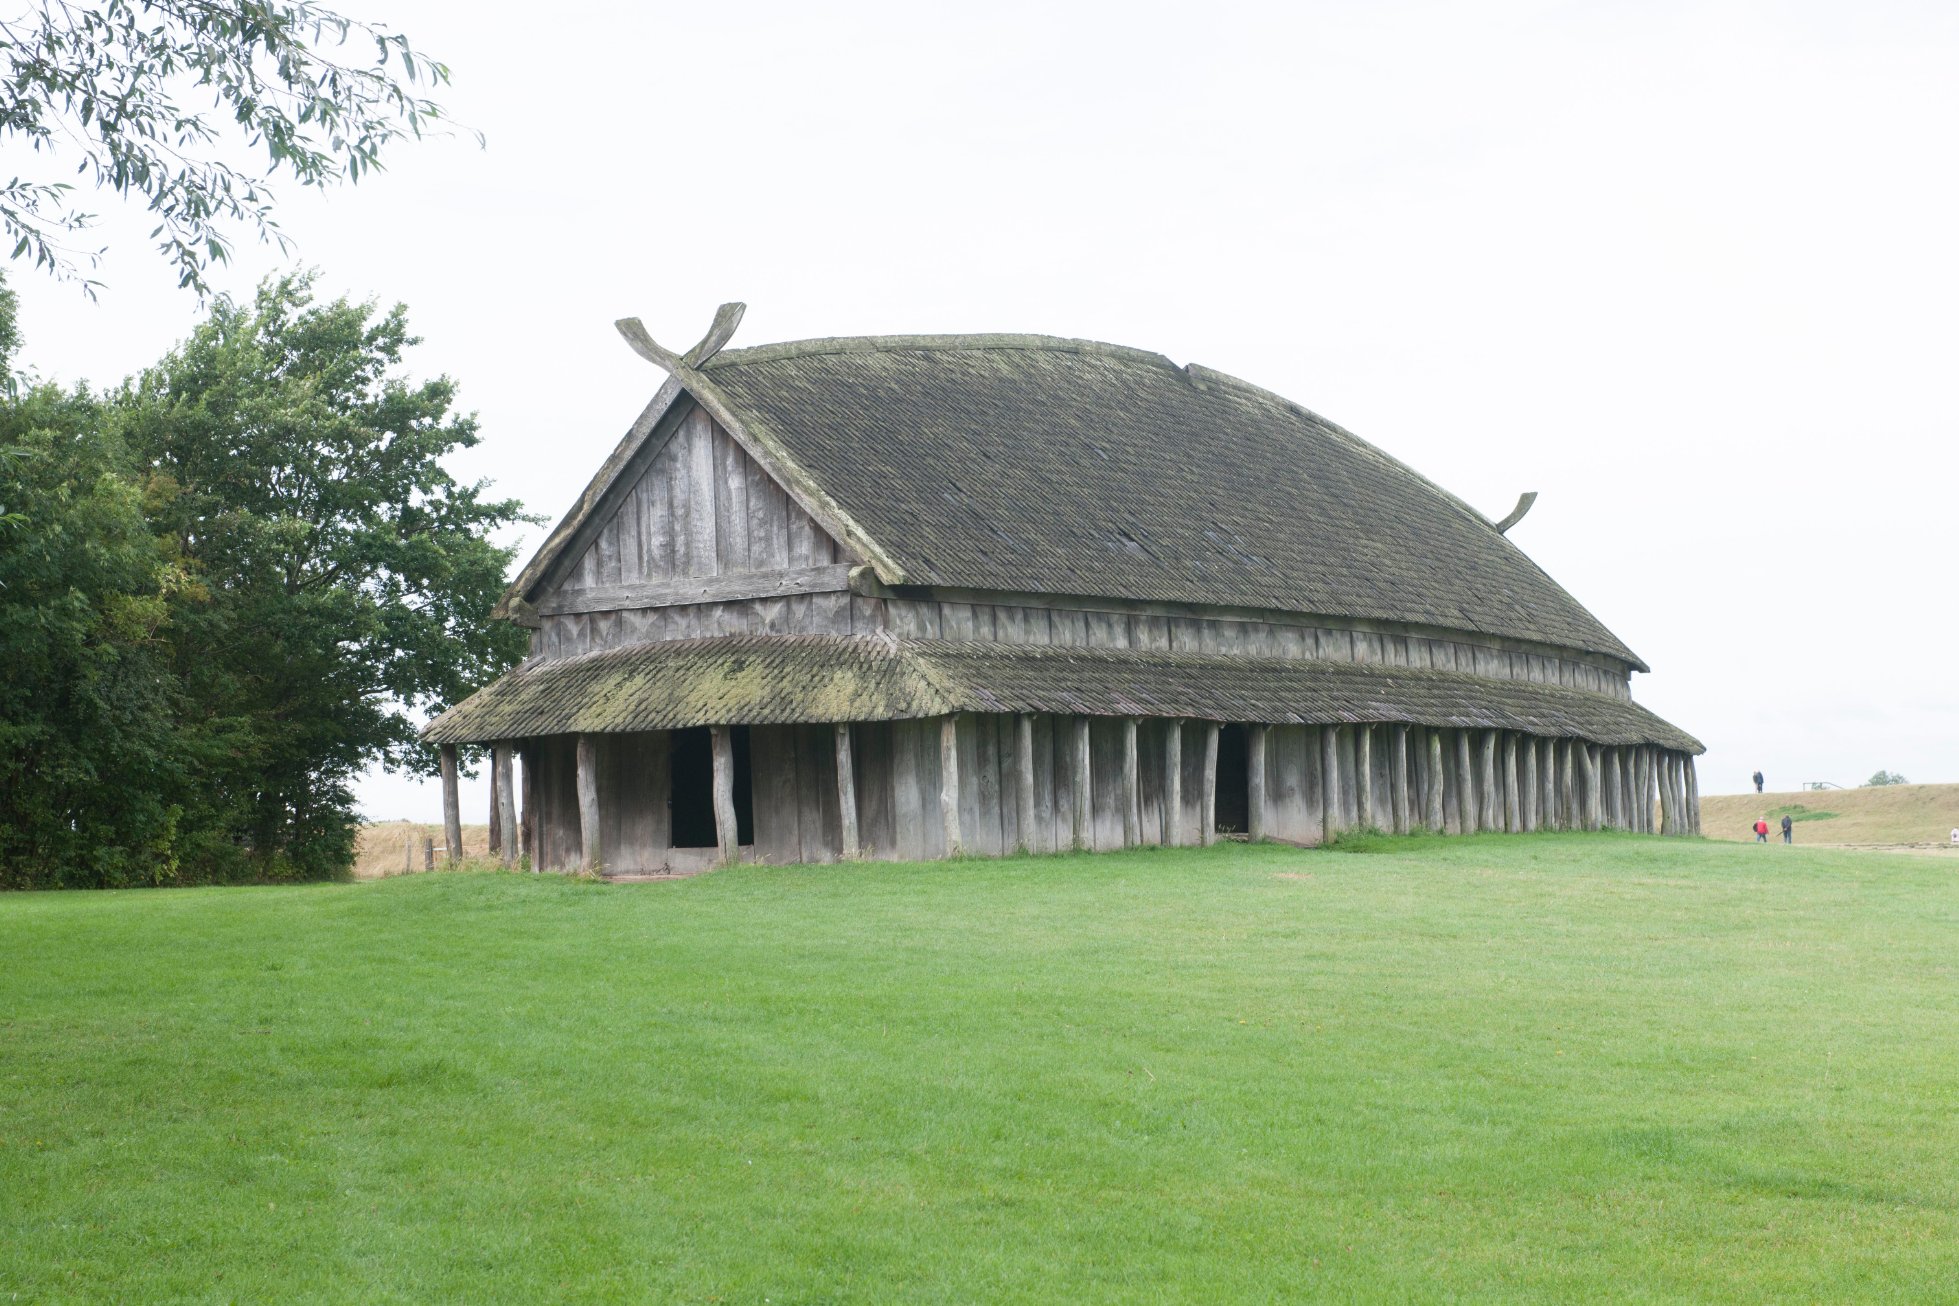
(1524, 501)
(726, 319)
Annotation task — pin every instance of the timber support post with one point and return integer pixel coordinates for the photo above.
(1527, 784)
(1255, 781)
(1513, 800)
(1333, 821)
(1568, 814)
(452, 811)
(591, 856)
(1398, 779)
(1084, 787)
(1207, 833)
(1434, 794)
(1363, 777)
(503, 771)
(847, 793)
(1024, 779)
(1173, 782)
(1132, 787)
(1491, 818)
(1693, 797)
(727, 829)
(1466, 805)
(949, 785)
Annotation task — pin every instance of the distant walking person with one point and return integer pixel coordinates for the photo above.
(1762, 830)
(1758, 782)
(1788, 830)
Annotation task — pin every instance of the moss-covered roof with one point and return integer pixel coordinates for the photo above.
(1033, 464)
(781, 679)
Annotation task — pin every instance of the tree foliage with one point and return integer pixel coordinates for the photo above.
(1886, 778)
(238, 581)
(153, 99)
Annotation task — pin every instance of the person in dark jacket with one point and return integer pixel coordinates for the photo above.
(1788, 830)
(1758, 782)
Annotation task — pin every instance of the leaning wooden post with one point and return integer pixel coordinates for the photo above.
(1173, 782)
(1255, 782)
(1548, 816)
(727, 828)
(1609, 785)
(1466, 805)
(1693, 797)
(949, 785)
(1492, 795)
(1207, 832)
(1363, 777)
(1668, 819)
(1527, 790)
(1398, 780)
(847, 791)
(1573, 817)
(1132, 787)
(1024, 779)
(1513, 805)
(1084, 795)
(503, 767)
(591, 853)
(1648, 786)
(452, 810)
(1333, 820)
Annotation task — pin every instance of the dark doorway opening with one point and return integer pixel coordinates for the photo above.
(1234, 781)
(692, 769)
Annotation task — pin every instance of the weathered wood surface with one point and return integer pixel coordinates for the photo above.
(1084, 795)
(1490, 813)
(727, 832)
(1256, 743)
(1173, 783)
(1437, 782)
(452, 807)
(847, 792)
(1528, 795)
(1333, 818)
(955, 844)
(496, 807)
(591, 849)
(1513, 805)
(1693, 798)
(1132, 810)
(726, 588)
(1363, 776)
(504, 760)
(1398, 779)
(1208, 813)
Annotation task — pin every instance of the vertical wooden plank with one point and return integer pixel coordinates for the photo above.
(1489, 813)
(908, 793)
(1513, 811)
(1173, 782)
(1026, 828)
(1693, 795)
(1208, 818)
(1083, 787)
(452, 810)
(846, 791)
(1043, 835)
(955, 845)
(1256, 743)
(591, 851)
(1666, 794)
(1132, 798)
(527, 818)
(496, 806)
(1291, 810)
(1364, 777)
(1568, 786)
(1589, 759)
(1467, 806)
(983, 826)
(1398, 791)
(1527, 789)
(1435, 780)
(1332, 822)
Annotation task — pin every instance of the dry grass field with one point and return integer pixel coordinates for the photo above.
(1887, 815)
(384, 847)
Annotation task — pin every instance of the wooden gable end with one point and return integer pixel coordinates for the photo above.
(698, 521)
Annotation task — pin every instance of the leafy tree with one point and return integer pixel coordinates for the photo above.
(1886, 778)
(92, 763)
(341, 577)
(150, 98)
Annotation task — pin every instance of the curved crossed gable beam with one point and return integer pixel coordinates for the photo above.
(686, 380)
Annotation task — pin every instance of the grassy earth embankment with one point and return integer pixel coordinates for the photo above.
(1883, 814)
(1546, 1068)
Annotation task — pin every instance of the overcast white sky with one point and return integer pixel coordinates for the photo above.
(1690, 270)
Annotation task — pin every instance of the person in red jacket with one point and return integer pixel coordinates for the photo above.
(1762, 830)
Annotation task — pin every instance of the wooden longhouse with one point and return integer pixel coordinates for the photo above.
(913, 597)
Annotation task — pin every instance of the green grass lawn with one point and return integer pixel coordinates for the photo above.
(1547, 1068)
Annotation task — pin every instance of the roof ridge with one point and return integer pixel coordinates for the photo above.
(826, 345)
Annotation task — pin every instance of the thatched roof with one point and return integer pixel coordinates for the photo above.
(785, 678)
(1065, 467)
